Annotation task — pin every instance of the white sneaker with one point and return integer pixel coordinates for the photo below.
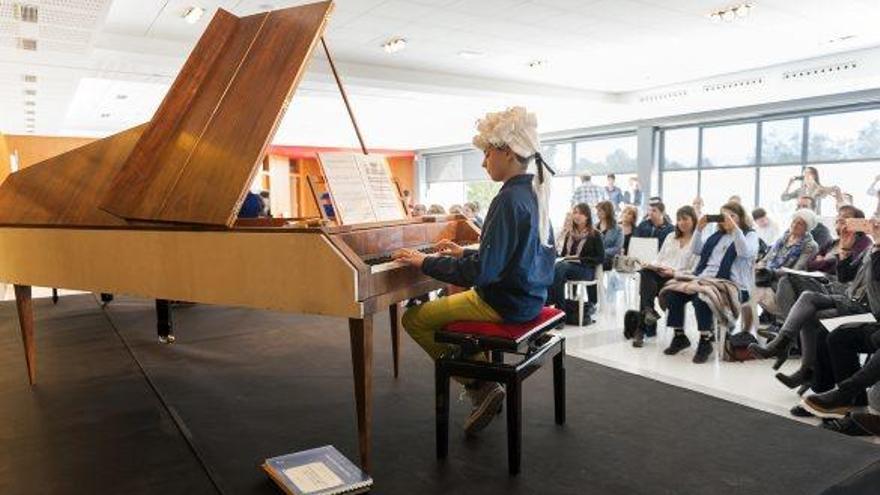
(167, 340)
(487, 401)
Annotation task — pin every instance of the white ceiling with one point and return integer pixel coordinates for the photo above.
(601, 55)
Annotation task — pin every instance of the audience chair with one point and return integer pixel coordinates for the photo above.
(576, 290)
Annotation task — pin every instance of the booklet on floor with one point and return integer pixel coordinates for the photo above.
(320, 471)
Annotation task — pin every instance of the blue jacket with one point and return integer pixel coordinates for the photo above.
(612, 241)
(512, 270)
(648, 229)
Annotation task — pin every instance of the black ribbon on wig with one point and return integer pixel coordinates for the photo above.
(539, 161)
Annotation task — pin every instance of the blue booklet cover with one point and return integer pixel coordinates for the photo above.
(320, 471)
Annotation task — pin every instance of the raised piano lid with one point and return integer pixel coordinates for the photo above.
(195, 160)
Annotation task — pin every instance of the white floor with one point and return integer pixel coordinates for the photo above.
(749, 383)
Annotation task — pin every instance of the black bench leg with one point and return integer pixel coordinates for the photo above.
(54, 296)
(163, 321)
(497, 357)
(514, 425)
(106, 298)
(442, 405)
(559, 384)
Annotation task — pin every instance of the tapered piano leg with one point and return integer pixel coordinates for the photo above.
(394, 313)
(361, 331)
(26, 320)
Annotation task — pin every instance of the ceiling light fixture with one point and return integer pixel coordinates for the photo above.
(839, 39)
(193, 14)
(537, 64)
(29, 78)
(30, 92)
(121, 97)
(394, 45)
(30, 112)
(730, 14)
(105, 115)
(471, 54)
(30, 103)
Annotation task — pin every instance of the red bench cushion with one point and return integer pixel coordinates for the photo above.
(512, 331)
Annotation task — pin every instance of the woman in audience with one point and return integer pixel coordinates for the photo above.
(728, 254)
(629, 217)
(436, 210)
(419, 210)
(675, 255)
(810, 186)
(612, 236)
(793, 250)
(456, 210)
(581, 252)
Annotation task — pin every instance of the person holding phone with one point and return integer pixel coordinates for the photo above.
(727, 254)
(808, 185)
(581, 252)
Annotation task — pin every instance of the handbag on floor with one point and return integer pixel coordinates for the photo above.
(631, 321)
(736, 347)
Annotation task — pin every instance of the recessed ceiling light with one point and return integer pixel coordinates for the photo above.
(471, 54)
(29, 78)
(839, 39)
(28, 44)
(729, 14)
(30, 92)
(29, 103)
(121, 97)
(536, 64)
(105, 115)
(193, 14)
(394, 45)
(30, 112)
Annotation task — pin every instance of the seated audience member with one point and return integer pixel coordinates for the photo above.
(581, 253)
(793, 250)
(456, 210)
(587, 192)
(729, 255)
(436, 210)
(657, 224)
(735, 199)
(845, 344)
(633, 196)
(675, 256)
(252, 206)
(629, 216)
(850, 242)
(851, 296)
(472, 211)
(821, 234)
(512, 269)
(840, 198)
(612, 236)
(419, 210)
(613, 193)
(766, 228)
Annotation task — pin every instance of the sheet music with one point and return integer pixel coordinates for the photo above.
(346, 185)
(361, 188)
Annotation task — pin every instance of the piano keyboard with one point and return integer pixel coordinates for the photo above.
(384, 262)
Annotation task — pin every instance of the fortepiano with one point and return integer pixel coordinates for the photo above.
(151, 211)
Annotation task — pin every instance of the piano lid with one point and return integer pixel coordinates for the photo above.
(196, 159)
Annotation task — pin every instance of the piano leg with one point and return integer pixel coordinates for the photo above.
(361, 331)
(394, 313)
(54, 296)
(164, 321)
(26, 320)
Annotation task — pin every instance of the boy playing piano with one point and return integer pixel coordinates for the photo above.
(513, 268)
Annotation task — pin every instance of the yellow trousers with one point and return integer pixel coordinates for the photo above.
(421, 322)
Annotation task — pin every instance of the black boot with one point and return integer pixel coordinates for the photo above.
(803, 376)
(704, 350)
(778, 348)
(832, 404)
(679, 343)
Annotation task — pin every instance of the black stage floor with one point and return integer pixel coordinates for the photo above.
(251, 384)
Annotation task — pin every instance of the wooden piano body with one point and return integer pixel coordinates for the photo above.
(151, 211)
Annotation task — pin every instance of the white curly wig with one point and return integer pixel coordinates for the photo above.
(517, 129)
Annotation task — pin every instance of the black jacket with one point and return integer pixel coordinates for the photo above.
(592, 252)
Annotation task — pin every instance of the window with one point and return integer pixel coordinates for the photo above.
(482, 192)
(844, 136)
(729, 145)
(679, 189)
(781, 141)
(772, 183)
(609, 155)
(717, 186)
(558, 156)
(680, 147)
(441, 168)
(444, 194)
(561, 190)
(852, 178)
(472, 166)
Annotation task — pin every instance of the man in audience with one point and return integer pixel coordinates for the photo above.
(767, 229)
(845, 344)
(851, 243)
(657, 224)
(588, 193)
(820, 234)
(633, 196)
(472, 211)
(612, 192)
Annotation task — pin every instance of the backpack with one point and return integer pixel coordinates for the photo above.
(632, 319)
(736, 347)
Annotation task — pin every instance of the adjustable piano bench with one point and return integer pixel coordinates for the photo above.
(531, 341)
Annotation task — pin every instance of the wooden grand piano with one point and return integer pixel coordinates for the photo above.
(151, 211)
